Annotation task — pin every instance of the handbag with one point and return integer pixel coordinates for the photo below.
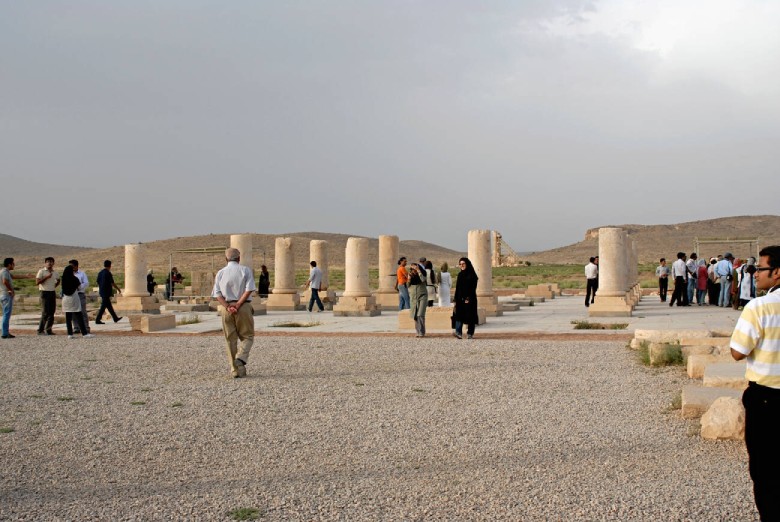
(452, 318)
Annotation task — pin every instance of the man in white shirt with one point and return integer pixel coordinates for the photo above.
(692, 272)
(591, 275)
(47, 281)
(83, 285)
(315, 282)
(662, 273)
(233, 288)
(680, 273)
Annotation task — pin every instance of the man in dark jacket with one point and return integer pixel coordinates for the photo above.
(106, 283)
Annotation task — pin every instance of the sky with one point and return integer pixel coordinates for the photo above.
(128, 121)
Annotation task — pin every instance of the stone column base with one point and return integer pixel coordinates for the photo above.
(136, 305)
(284, 302)
(491, 305)
(387, 300)
(610, 307)
(356, 306)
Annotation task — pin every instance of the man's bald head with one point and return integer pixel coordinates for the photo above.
(232, 254)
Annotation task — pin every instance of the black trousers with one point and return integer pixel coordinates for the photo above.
(48, 307)
(105, 304)
(590, 292)
(680, 294)
(762, 421)
(663, 287)
(713, 289)
(315, 298)
(69, 317)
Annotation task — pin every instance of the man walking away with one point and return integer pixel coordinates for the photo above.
(233, 288)
(757, 338)
(315, 282)
(105, 280)
(679, 271)
(591, 274)
(47, 281)
(662, 273)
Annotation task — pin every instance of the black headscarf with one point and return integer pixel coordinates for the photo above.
(70, 283)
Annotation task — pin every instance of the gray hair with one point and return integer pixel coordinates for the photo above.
(232, 254)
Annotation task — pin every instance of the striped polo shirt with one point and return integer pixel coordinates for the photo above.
(757, 335)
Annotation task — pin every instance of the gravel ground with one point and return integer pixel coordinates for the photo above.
(354, 428)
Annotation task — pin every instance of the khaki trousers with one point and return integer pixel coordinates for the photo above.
(239, 326)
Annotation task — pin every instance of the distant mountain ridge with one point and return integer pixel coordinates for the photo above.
(656, 241)
(653, 241)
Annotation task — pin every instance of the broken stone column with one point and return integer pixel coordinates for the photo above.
(480, 254)
(135, 299)
(387, 296)
(357, 299)
(244, 244)
(318, 251)
(284, 296)
(611, 298)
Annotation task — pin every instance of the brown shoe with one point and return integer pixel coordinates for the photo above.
(240, 368)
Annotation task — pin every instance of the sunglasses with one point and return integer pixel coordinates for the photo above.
(763, 268)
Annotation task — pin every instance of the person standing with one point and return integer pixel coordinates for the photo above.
(662, 273)
(7, 295)
(679, 273)
(71, 304)
(315, 282)
(150, 282)
(757, 338)
(418, 297)
(83, 285)
(701, 282)
(591, 277)
(723, 270)
(47, 281)
(263, 282)
(431, 282)
(170, 283)
(692, 267)
(106, 285)
(401, 282)
(466, 299)
(233, 288)
(713, 283)
(445, 285)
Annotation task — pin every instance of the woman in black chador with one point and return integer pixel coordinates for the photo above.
(263, 282)
(466, 299)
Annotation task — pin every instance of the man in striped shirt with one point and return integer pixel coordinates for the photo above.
(757, 338)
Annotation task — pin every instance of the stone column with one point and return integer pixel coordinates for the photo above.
(243, 242)
(318, 251)
(284, 296)
(480, 253)
(611, 297)
(135, 299)
(387, 295)
(357, 298)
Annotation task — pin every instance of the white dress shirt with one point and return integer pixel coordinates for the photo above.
(591, 270)
(83, 281)
(232, 281)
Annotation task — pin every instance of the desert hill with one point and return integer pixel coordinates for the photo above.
(160, 252)
(656, 241)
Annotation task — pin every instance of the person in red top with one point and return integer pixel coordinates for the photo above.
(701, 282)
(402, 279)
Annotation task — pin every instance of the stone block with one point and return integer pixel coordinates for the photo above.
(510, 306)
(386, 300)
(363, 306)
(687, 351)
(178, 307)
(284, 302)
(610, 307)
(697, 362)
(724, 420)
(726, 375)
(157, 322)
(662, 353)
(707, 341)
(541, 290)
(137, 305)
(697, 399)
(665, 336)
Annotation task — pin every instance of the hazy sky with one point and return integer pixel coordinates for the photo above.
(142, 120)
